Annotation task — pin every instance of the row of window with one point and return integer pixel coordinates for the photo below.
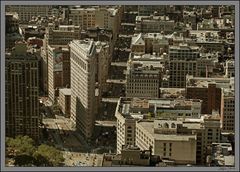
(79, 61)
(142, 81)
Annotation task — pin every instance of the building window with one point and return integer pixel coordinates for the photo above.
(166, 125)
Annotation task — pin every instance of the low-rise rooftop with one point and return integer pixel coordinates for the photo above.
(149, 127)
(220, 82)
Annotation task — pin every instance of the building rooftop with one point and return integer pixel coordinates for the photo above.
(149, 127)
(222, 154)
(67, 27)
(60, 47)
(228, 93)
(141, 107)
(202, 82)
(229, 160)
(138, 39)
(12, 15)
(205, 36)
(145, 72)
(172, 92)
(149, 59)
(230, 62)
(153, 18)
(183, 46)
(149, 64)
(87, 46)
(111, 10)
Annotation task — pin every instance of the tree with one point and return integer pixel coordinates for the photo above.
(24, 153)
(40, 160)
(20, 145)
(48, 155)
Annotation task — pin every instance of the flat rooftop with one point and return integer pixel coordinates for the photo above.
(151, 18)
(220, 82)
(149, 127)
(129, 107)
(87, 45)
(63, 47)
(183, 47)
(111, 10)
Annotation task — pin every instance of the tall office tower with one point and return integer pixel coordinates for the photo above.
(143, 77)
(26, 12)
(228, 111)
(12, 30)
(182, 61)
(22, 106)
(83, 77)
(58, 69)
(99, 16)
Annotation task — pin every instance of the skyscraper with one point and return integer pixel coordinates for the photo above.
(83, 70)
(22, 106)
(182, 62)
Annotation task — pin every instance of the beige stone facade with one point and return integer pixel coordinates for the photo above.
(167, 144)
(83, 72)
(26, 12)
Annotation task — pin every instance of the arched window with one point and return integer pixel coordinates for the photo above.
(173, 125)
(166, 125)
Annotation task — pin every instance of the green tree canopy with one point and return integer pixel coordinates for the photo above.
(49, 153)
(20, 145)
(24, 153)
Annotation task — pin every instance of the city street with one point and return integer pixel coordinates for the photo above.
(82, 159)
